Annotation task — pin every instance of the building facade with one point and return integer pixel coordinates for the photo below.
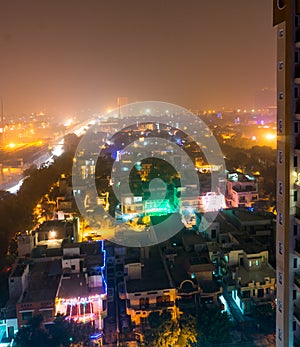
(286, 19)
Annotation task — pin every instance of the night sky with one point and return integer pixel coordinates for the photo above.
(66, 55)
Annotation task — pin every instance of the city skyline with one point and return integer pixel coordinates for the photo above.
(62, 58)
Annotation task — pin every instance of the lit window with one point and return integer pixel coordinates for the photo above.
(250, 263)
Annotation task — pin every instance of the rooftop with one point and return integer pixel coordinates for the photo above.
(43, 281)
(75, 286)
(154, 276)
(255, 275)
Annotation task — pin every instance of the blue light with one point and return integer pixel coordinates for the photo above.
(96, 336)
(103, 267)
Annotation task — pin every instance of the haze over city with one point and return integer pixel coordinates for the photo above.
(65, 56)
(149, 173)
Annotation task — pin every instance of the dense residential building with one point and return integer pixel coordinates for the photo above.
(149, 288)
(241, 190)
(286, 19)
(69, 280)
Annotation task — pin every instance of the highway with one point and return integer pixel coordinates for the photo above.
(13, 182)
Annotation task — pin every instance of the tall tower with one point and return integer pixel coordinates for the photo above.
(286, 18)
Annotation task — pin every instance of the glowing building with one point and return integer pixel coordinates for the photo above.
(81, 294)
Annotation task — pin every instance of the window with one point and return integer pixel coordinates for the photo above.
(213, 233)
(280, 219)
(296, 57)
(26, 315)
(280, 32)
(280, 277)
(279, 334)
(296, 21)
(47, 314)
(256, 263)
(280, 188)
(280, 96)
(296, 93)
(279, 305)
(294, 325)
(296, 124)
(280, 125)
(280, 65)
(295, 161)
(295, 195)
(250, 263)
(294, 294)
(295, 263)
(260, 293)
(295, 230)
(280, 157)
(280, 247)
(72, 267)
(246, 294)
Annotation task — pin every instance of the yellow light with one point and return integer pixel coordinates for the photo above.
(68, 122)
(52, 234)
(270, 136)
(12, 145)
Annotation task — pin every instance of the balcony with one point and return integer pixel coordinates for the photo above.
(297, 215)
(297, 248)
(297, 74)
(297, 313)
(151, 307)
(297, 279)
(297, 110)
(297, 44)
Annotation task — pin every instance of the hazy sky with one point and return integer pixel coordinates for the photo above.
(63, 55)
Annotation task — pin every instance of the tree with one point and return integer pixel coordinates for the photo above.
(164, 331)
(188, 333)
(167, 332)
(34, 334)
(62, 333)
(213, 326)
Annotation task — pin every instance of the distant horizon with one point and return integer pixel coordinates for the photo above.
(61, 59)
